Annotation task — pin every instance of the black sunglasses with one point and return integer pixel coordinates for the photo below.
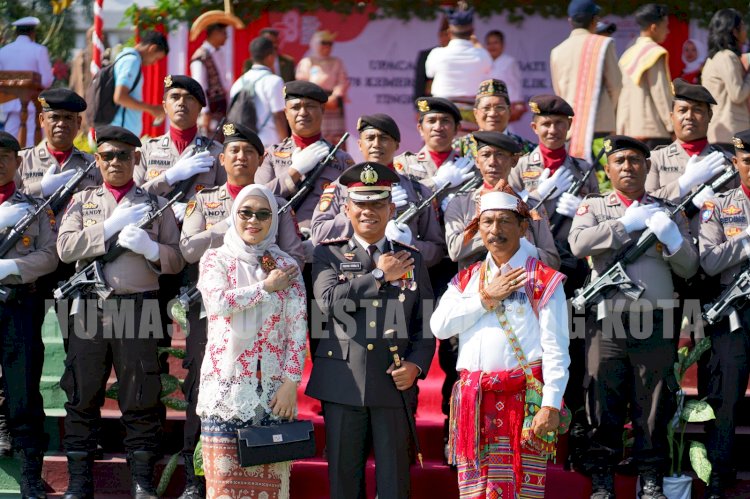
(260, 215)
(111, 155)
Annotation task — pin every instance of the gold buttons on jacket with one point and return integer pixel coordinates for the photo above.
(372, 323)
(370, 346)
(330, 353)
(375, 303)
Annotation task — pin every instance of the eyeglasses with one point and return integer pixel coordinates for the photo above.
(260, 215)
(108, 156)
(326, 43)
(497, 109)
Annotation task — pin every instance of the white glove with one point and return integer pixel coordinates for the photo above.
(138, 241)
(179, 211)
(124, 214)
(399, 196)
(395, 231)
(11, 214)
(568, 204)
(446, 201)
(189, 167)
(704, 195)
(304, 160)
(700, 171)
(8, 267)
(636, 215)
(51, 181)
(666, 230)
(561, 180)
(454, 173)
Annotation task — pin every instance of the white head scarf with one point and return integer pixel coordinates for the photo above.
(700, 47)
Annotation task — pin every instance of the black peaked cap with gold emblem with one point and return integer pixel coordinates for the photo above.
(381, 122)
(428, 105)
(687, 91)
(236, 132)
(63, 99)
(546, 105)
(741, 141)
(496, 139)
(109, 133)
(615, 143)
(186, 83)
(368, 181)
(298, 89)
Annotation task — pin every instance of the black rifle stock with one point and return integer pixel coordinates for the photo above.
(414, 209)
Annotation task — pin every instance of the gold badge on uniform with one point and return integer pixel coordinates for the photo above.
(349, 256)
(731, 210)
(738, 144)
(199, 187)
(26, 240)
(228, 129)
(423, 106)
(531, 174)
(398, 166)
(671, 86)
(733, 231)
(534, 107)
(607, 145)
(582, 209)
(89, 206)
(43, 101)
(153, 174)
(213, 205)
(707, 211)
(168, 81)
(208, 226)
(659, 247)
(368, 176)
(282, 154)
(89, 222)
(190, 208)
(359, 123)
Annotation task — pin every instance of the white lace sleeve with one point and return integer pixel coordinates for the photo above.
(220, 297)
(295, 320)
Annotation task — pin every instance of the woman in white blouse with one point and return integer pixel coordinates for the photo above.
(255, 302)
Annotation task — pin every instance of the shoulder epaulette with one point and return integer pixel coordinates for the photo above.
(337, 240)
(208, 189)
(593, 195)
(659, 147)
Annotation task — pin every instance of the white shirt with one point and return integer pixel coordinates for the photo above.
(484, 346)
(457, 69)
(505, 68)
(200, 74)
(269, 99)
(22, 54)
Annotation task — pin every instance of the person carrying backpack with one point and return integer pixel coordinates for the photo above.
(257, 97)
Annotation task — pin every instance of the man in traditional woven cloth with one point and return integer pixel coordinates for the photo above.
(509, 313)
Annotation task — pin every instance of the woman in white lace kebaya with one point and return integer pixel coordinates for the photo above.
(255, 301)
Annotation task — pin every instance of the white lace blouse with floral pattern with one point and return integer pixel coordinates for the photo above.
(276, 342)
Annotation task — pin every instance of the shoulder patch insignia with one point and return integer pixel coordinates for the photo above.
(190, 208)
(398, 166)
(531, 174)
(707, 211)
(26, 241)
(582, 209)
(733, 231)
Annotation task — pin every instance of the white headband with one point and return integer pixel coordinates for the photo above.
(498, 201)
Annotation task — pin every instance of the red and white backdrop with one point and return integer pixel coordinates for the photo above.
(379, 56)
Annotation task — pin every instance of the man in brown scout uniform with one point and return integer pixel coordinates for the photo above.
(619, 348)
(173, 157)
(94, 219)
(496, 155)
(21, 347)
(492, 110)
(437, 164)
(723, 249)
(379, 139)
(380, 279)
(204, 227)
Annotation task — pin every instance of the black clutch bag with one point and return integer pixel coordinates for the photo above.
(275, 443)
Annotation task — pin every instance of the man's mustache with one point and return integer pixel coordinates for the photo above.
(497, 239)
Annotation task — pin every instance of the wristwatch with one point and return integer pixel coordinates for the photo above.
(379, 276)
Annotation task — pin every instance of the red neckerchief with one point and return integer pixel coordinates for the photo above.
(60, 156)
(626, 201)
(553, 158)
(119, 192)
(390, 166)
(233, 190)
(303, 142)
(182, 138)
(6, 191)
(694, 146)
(745, 190)
(439, 157)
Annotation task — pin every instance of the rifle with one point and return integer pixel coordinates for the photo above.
(574, 189)
(615, 275)
(740, 288)
(62, 195)
(308, 184)
(413, 210)
(183, 185)
(91, 277)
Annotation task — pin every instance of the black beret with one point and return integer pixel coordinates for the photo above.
(493, 87)
(544, 105)
(583, 7)
(686, 91)
(63, 99)
(427, 105)
(368, 181)
(109, 133)
(496, 139)
(298, 89)
(460, 16)
(741, 140)
(186, 83)
(615, 143)
(7, 141)
(235, 132)
(381, 122)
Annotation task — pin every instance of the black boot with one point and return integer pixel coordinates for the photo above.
(716, 486)
(32, 486)
(652, 486)
(81, 478)
(142, 470)
(602, 486)
(195, 486)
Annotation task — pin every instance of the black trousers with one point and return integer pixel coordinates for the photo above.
(347, 431)
(195, 349)
(20, 350)
(629, 376)
(92, 352)
(728, 378)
